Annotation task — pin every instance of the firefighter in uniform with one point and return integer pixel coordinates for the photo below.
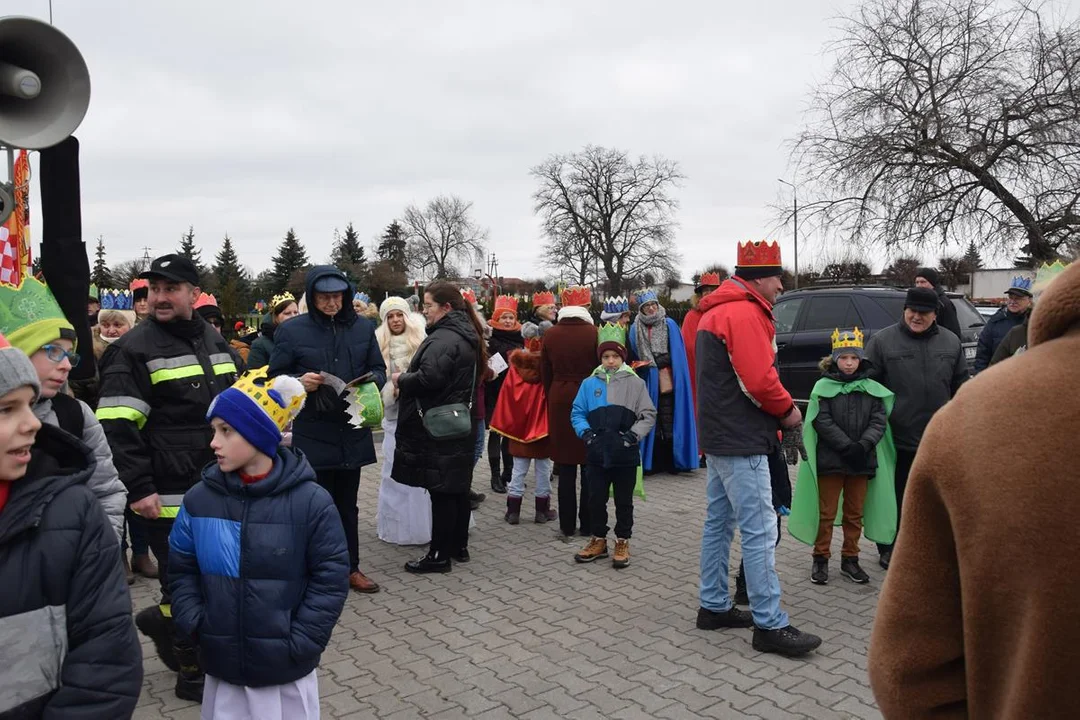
(157, 383)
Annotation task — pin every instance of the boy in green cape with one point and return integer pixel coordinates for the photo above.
(850, 454)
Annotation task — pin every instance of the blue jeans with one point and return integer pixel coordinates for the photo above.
(542, 470)
(740, 491)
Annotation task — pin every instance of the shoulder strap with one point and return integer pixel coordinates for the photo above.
(69, 414)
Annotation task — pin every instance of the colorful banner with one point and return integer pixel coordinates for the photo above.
(15, 232)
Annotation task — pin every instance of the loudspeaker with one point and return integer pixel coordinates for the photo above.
(44, 84)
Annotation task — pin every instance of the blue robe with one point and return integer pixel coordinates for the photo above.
(684, 430)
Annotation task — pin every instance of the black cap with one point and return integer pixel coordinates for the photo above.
(930, 275)
(921, 299)
(173, 267)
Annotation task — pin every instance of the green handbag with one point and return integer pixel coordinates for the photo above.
(449, 422)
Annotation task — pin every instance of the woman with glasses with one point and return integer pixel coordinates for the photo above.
(32, 321)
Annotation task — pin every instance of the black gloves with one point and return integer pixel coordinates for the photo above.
(587, 437)
(629, 439)
(856, 457)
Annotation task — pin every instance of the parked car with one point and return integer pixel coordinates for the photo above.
(805, 320)
(987, 311)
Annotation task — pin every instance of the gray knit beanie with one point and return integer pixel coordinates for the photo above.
(16, 370)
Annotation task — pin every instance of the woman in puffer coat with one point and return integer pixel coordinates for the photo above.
(445, 370)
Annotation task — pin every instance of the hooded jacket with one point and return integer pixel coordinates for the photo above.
(958, 632)
(157, 382)
(344, 346)
(997, 327)
(740, 398)
(262, 347)
(611, 404)
(68, 647)
(259, 572)
(104, 482)
(924, 371)
(442, 372)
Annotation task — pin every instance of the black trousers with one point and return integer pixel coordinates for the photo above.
(904, 459)
(600, 482)
(569, 508)
(449, 522)
(157, 537)
(499, 447)
(343, 485)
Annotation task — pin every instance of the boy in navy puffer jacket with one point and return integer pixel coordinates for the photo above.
(258, 565)
(611, 413)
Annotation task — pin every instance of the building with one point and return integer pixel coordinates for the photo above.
(992, 284)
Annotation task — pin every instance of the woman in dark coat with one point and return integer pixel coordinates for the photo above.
(443, 371)
(331, 338)
(284, 308)
(567, 357)
(505, 339)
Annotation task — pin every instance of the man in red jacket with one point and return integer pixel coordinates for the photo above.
(742, 405)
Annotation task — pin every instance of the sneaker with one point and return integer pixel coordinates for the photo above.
(819, 575)
(885, 559)
(621, 557)
(429, 563)
(153, 624)
(850, 568)
(786, 641)
(733, 618)
(596, 549)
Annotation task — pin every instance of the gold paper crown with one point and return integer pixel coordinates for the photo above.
(255, 385)
(282, 298)
(847, 339)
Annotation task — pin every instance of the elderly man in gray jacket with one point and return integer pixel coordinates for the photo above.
(924, 367)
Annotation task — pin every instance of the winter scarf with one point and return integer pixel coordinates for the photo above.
(494, 323)
(652, 339)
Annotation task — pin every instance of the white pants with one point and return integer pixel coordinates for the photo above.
(541, 471)
(403, 514)
(298, 700)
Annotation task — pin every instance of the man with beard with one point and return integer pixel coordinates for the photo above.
(157, 383)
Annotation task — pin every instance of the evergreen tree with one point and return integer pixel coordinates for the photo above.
(392, 246)
(189, 250)
(347, 248)
(972, 258)
(290, 258)
(101, 275)
(229, 281)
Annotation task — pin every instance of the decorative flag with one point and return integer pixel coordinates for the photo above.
(15, 232)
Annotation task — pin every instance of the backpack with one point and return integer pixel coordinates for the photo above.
(69, 414)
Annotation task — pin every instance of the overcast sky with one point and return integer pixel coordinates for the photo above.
(250, 117)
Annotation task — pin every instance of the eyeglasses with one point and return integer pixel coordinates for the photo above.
(57, 354)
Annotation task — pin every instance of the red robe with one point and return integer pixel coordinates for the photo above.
(521, 410)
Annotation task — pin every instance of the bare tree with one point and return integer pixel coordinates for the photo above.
(123, 273)
(901, 272)
(600, 206)
(948, 120)
(441, 236)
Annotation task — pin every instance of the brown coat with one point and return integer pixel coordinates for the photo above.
(980, 614)
(527, 365)
(567, 357)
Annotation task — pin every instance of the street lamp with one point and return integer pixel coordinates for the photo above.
(795, 197)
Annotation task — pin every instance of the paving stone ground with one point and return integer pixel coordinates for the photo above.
(524, 632)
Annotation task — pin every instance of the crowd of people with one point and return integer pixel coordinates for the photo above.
(229, 469)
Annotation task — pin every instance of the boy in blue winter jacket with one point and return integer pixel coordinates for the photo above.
(258, 566)
(611, 413)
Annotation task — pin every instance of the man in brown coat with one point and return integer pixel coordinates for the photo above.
(979, 614)
(568, 357)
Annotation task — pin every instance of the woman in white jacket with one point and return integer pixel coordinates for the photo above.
(403, 516)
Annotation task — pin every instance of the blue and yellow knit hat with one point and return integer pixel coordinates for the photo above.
(260, 409)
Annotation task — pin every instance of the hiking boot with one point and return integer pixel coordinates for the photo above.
(461, 555)
(741, 598)
(128, 575)
(190, 678)
(785, 641)
(885, 559)
(513, 510)
(360, 582)
(153, 623)
(144, 565)
(433, 562)
(596, 549)
(544, 513)
(850, 568)
(475, 499)
(733, 618)
(819, 574)
(621, 557)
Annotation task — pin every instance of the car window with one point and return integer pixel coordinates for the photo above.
(966, 314)
(785, 313)
(830, 312)
(893, 306)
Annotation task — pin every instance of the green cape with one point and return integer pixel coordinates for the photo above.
(879, 512)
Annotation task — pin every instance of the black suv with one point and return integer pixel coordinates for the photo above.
(805, 320)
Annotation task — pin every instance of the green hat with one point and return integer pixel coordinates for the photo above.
(30, 316)
(611, 337)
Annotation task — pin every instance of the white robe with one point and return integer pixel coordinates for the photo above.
(298, 700)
